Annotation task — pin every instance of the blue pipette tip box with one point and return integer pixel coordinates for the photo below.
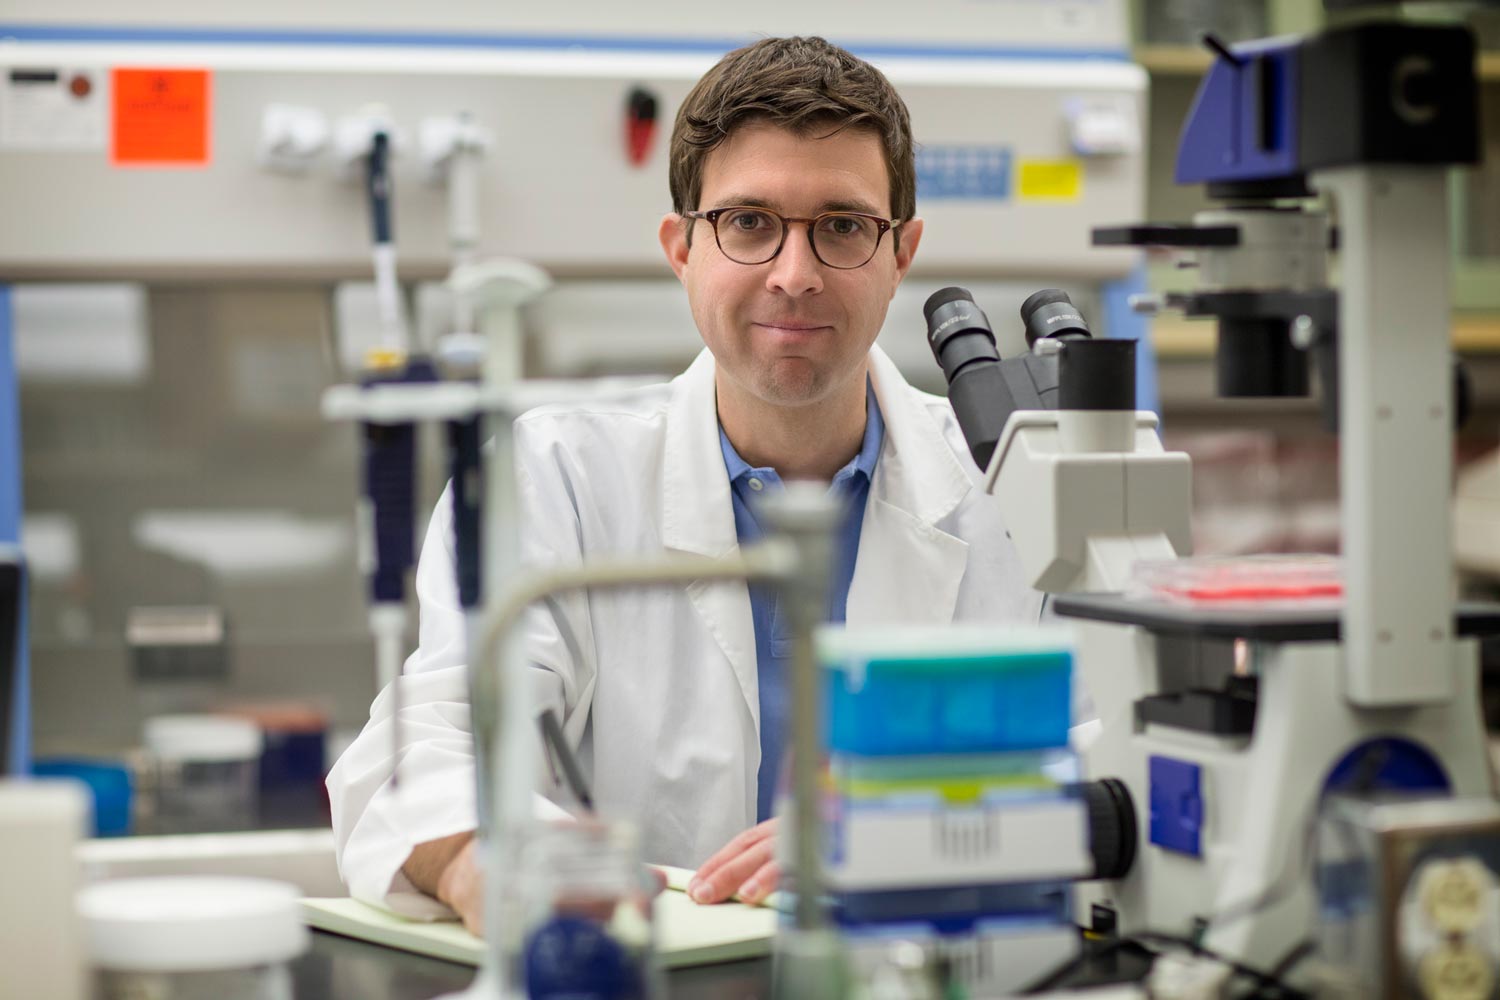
(953, 689)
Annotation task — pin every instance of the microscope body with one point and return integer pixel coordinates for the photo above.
(1230, 730)
(1245, 731)
(1231, 765)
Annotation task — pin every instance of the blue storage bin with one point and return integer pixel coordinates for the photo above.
(957, 689)
(110, 786)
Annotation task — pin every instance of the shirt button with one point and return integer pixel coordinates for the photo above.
(756, 484)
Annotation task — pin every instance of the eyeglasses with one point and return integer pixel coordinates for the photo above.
(843, 240)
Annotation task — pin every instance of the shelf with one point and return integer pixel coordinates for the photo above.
(1173, 60)
(1190, 60)
(1177, 338)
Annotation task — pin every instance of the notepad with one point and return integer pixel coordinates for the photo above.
(686, 933)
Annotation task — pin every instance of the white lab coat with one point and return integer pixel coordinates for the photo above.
(660, 696)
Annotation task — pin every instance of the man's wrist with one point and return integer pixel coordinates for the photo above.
(428, 862)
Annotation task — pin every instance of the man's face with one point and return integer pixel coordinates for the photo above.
(792, 330)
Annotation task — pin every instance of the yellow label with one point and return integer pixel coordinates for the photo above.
(955, 791)
(1050, 180)
(384, 359)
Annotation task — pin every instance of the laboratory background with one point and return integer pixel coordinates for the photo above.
(212, 214)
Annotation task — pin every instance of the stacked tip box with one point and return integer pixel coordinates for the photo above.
(952, 820)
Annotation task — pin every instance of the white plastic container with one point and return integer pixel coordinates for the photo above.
(41, 938)
(206, 770)
(192, 937)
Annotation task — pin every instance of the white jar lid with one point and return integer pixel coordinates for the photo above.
(190, 923)
(203, 737)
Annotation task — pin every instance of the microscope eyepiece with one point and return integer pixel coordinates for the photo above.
(1050, 313)
(942, 297)
(961, 339)
(958, 331)
(1043, 297)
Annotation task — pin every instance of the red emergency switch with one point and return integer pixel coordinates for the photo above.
(640, 125)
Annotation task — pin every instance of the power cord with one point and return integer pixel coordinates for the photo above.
(1266, 985)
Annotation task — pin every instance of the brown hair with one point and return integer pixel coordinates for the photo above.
(801, 84)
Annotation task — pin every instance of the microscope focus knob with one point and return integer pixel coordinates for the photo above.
(1112, 827)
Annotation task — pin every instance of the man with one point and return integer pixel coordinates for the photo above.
(793, 222)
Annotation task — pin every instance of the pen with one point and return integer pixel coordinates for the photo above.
(552, 736)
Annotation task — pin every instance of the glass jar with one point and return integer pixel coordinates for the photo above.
(587, 906)
(205, 771)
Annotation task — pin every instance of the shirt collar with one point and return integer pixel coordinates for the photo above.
(736, 467)
(869, 450)
(862, 464)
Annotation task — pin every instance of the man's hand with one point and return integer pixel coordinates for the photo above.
(746, 867)
(461, 887)
(448, 869)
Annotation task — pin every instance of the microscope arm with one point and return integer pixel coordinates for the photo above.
(1086, 494)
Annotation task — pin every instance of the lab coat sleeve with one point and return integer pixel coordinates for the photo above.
(377, 824)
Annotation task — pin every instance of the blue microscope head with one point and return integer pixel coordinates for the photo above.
(1243, 123)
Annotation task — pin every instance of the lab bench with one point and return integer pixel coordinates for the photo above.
(336, 967)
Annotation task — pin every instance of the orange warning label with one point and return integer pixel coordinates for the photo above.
(160, 117)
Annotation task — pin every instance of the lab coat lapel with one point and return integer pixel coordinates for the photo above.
(909, 569)
(697, 517)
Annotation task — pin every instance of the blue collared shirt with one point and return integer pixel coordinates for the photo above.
(772, 632)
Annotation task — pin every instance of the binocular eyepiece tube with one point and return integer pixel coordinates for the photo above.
(984, 389)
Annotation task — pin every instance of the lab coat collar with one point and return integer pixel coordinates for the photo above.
(917, 472)
(697, 515)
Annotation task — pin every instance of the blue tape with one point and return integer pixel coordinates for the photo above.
(19, 728)
(1125, 323)
(481, 40)
(20, 751)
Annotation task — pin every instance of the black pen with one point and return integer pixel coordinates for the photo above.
(552, 736)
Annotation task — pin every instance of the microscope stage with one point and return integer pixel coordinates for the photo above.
(1282, 623)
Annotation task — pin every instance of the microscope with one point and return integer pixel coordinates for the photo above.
(1298, 759)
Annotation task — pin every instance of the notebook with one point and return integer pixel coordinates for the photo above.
(686, 933)
(678, 878)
